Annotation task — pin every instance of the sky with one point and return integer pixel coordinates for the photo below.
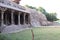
(49, 5)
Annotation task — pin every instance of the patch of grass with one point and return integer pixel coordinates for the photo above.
(39, 34)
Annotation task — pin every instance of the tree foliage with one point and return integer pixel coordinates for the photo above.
(31, 7)
(42, 10)
(51, 17)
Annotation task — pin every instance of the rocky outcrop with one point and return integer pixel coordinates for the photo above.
(37, 18)
(34, 18)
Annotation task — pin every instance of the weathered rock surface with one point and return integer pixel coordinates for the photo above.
(34, 18)
(39, 19)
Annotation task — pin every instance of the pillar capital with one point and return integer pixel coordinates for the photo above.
(3, 9)
(12, 11)
(24, 14)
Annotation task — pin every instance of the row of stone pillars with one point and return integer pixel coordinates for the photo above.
(12, 18)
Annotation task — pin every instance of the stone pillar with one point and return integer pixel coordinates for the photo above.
(28, 19)
(19, 18)
(6, 18)
(12, 19)
(24, 17)
(2, 15)
(2, 18)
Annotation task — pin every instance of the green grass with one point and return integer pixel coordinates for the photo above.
(39, 34)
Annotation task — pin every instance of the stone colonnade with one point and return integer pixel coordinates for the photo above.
(12, 15)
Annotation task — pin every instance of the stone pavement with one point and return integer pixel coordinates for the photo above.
(14, 28)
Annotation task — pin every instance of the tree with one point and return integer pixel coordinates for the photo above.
(42, 10)
(31, 7)
(51, 17)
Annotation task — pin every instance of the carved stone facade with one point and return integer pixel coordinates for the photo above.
(13, 14)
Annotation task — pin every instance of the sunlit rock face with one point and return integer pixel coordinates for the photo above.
(42, 19)
(37, 18)
(34, 18)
